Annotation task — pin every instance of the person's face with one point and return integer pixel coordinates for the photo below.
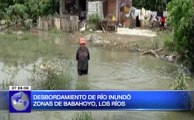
(82, 45)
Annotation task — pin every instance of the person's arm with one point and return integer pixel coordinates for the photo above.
(77, 56)
(88, 54)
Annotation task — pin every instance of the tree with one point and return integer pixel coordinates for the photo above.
(181, 19)
(41, 7)
(3, 5)
(31, 8)
(16, 12)
(154, 5)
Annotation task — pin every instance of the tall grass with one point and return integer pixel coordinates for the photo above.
(94, 21)
(83, 116)
(167, 40)
(11, 72)
(51, 75)
(180, 81)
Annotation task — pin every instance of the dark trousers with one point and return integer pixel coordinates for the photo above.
(82, 72)
(82, 18)
(162, 24)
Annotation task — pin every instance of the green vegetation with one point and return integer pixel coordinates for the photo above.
(166, 40)
(20, 10)
(83, 116)
(51, 75)
(180, 82)
(181, 19)
(169, 44)
(94, 21)
(11, 72)
(155, 5)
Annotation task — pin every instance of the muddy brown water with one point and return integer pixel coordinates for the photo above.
(108, 69)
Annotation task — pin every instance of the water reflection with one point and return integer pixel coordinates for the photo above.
(82, 83)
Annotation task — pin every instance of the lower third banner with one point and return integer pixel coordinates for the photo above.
(101, 100)
(111, 100)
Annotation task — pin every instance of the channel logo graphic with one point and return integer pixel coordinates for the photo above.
(19, 99)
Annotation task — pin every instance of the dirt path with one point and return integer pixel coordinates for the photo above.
(111, 40)
(136, 32)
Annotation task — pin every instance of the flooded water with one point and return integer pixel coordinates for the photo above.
(108, 69)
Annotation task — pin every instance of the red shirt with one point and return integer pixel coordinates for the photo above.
(163, 19)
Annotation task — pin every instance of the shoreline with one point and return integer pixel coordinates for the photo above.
(110, 40)
(140, 44)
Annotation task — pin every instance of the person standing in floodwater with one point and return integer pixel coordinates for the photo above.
(82, 57)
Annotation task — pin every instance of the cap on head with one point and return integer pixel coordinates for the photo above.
(82, 41)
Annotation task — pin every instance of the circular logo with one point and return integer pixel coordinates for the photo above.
(20, 101)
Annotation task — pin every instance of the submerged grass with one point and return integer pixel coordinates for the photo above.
(56, 82)
(27, 47)
(51, 75)
(83, 116)
(182, 77)
(9, 81)
(180, 82)
(167, 41)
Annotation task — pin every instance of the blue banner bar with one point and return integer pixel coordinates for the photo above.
(111, 100)
(4, 100)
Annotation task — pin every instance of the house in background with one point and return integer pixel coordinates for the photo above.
(75, 7)
(72, 11)
(116, 11)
